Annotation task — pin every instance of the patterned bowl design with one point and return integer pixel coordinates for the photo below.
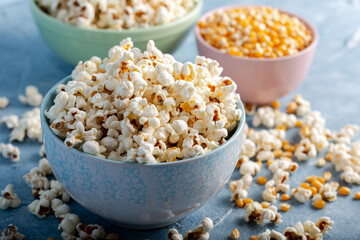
(134, 195)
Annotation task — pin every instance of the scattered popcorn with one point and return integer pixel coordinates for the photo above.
(68, 223)
(117, 15)
(201, 231)
(271, 235)
(299, 106)
(4, 102)
(59, 207)
(249, 167)
(90, 231)
(245, 32)
(301, 194)
(264, 116)
(10, 151)
(42, 152)
(60, 191)
(328, 192)
(173, 234)
(305, 150)
(11, 234)
(324, 224)
(285, 164)
(32, 96)
(270, 194)
(239, 188)
(36, 178)
(45, 166)
(321, 162)
(40, 208)
(145, 103)
(11, 121)
(28, 126)
(9, 199)
(346, 134)
(255, 212)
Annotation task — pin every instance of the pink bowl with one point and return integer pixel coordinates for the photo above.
(261, 80)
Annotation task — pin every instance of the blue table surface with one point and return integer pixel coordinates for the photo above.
(332, 86)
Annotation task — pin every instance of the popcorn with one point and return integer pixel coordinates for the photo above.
(10, 151)
(68, 224)
(283, 119)
(11, 121)
(59, 207)
(249, 167)
(264, 116)
(324, 224)
(173, 234)
(90, 231)
(239, 188)
(255, 212)
(9, 199)
(270, 194)
(271, 235)
(11, 233)
(32, 96)
(328, 192)
(248, 148)
(45, 166)
(117, 15)
(280, 176)
(201, 231)
(40, 208)
(135, 106)
(299, 106)
(301, 194)
(346, 134)
(36, 178)
(4, 102)
(60, 191)
(305, 150)
(284, 164)
(28, 126)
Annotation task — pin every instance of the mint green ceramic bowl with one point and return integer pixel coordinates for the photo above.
(73, 43)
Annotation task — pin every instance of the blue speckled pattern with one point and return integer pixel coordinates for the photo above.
(135, 195)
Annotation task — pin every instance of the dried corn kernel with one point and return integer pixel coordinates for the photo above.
(269, 162)
(259, 32)
(278, 153)
(235, 234)
(317, 184)
(321, 179)
(275, 104)
(265, 204)
(357, 195)
(327, 176)
(240, 203)
(298, 124)
(321, 162)
(287, 154)
(311, 178)
(261, 180)
(284, 207)
(248, 200)
(313, 191)
(285, 197)
(253, 238)
(305, 185)
(328, 157)
(319, 204)
(344, 191)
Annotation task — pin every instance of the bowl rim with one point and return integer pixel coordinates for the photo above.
(187, 16)
(45, 128)
(312, 28)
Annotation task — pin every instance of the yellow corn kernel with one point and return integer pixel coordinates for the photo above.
(275, 104)
(265, 204)
(319, 204)
(321, 179)
(289, 148)
(287, 154)
(261, 180)
(248, 200)
(357, 195)
(317, 184)
(232, 185)
(240, 203)
(327, 176)
(284, 207)
(328, 157)
(298, 124)
(291, 107)
(269, 162)
(311, 178)
(313, 191)
(285, 197)
(253, 238)
(305, 185)
(344, 191)
(235, 234)
(277, 153)
(281, 127)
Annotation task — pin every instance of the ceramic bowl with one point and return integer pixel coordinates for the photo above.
(261, 80)
(134, 195)
(73, 43)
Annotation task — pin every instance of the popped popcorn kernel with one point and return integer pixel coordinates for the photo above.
(10, 151)
(11, 233)
(201, 231)
(8, 198)
(32, 96)
(4, 102)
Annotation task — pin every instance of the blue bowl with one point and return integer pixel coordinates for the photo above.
(134, 195)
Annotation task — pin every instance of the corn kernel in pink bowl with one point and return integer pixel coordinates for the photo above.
(261, 80)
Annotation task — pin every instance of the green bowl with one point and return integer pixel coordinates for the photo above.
(74, 44)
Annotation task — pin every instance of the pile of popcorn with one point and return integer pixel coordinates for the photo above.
(116, 15)
(259, 32)
(145, 107)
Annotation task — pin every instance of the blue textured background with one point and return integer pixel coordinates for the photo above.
(332, 85)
